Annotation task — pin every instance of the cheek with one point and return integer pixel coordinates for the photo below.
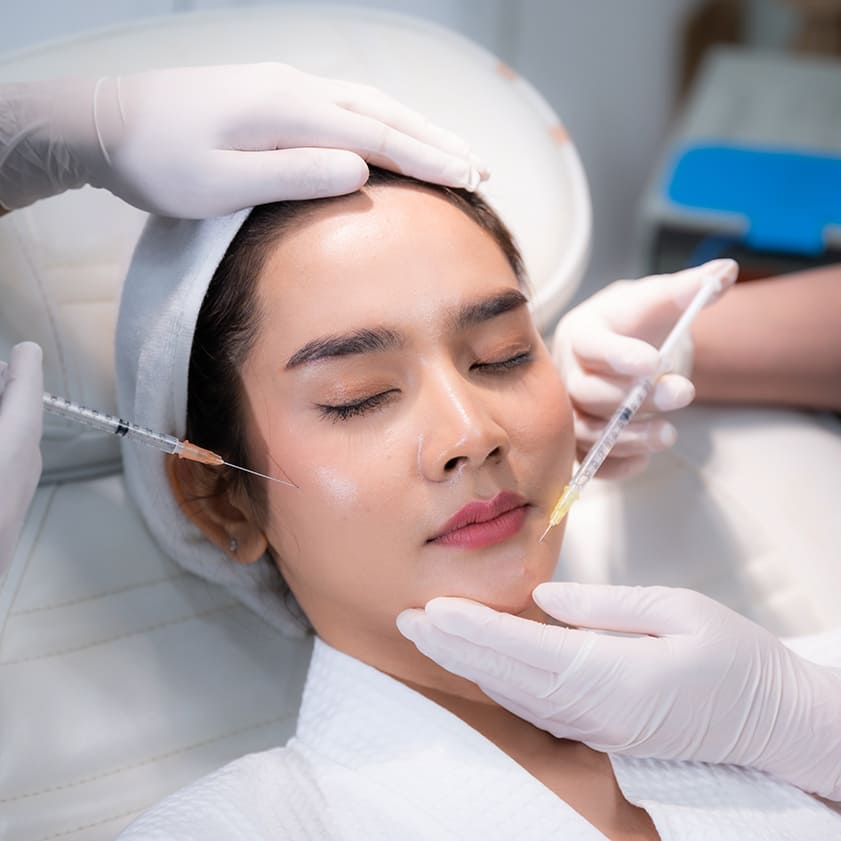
(342, 502)
(545, 425)
(558, 425)
(339, 541)
(338, 488)
(330, 491)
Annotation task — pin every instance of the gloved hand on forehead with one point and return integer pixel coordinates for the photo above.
(605, 343)
(697, 681)
(205, 141)
(21, 413)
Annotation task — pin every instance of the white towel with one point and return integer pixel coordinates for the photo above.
(170, 271)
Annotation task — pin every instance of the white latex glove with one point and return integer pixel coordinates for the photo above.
(604, 344)
(705, 684)
(21, 416)
(204, 141)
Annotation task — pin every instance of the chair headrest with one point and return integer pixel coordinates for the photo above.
(62, 260)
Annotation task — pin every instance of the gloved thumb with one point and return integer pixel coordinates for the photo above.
(651, 611)
(23, 381)
(659, 300)
(601, 350)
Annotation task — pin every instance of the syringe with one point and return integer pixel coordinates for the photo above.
(629, 407)
(126, 429)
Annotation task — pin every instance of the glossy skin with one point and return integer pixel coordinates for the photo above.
(395, 449)
(388, 445)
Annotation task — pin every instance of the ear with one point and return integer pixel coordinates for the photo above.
(226, 522)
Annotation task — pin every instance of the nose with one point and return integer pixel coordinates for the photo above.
(458, 429)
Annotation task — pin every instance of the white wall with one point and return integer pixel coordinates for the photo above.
(607, 66)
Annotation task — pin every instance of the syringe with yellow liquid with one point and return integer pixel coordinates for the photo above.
(629, 406)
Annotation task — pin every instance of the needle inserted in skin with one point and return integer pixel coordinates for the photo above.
(566, 501)
(261, 475)
(72, 411)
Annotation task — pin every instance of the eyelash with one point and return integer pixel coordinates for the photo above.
(506, 364)
(346, 411)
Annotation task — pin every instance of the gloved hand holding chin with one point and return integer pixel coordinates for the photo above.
(695, 681)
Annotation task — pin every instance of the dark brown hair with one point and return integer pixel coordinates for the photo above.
(229, 322)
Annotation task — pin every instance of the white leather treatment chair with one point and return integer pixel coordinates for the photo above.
(121, 677)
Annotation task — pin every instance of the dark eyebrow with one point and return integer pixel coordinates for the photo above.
(371, 339)
(345, 344)
(472, 314)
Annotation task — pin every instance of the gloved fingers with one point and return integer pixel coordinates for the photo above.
(327, 125)
(600, 396)
(653, 304)
(530, 711)
(21, 404)
(278, 106)
(574, 709)
(578, 716)
(490, 661)
(545, 647)
(599, 350)
(653, 611)
(640, 437)
(262, 177)
(562, 724)
(372, 102)
(689, 281)
(387, 147)
(672, 392)
(546, 678)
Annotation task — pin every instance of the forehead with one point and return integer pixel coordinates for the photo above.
(395, 254)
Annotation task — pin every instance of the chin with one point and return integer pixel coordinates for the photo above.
(515, 600)
(500, 577)
(508, 591)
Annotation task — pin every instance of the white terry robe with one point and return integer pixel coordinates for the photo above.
(373, 759)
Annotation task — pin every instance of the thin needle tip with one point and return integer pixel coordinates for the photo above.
(568, 498)
(262, 475)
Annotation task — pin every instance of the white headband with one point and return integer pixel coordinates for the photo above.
(170, 272)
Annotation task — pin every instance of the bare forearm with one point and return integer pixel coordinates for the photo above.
(775, 341)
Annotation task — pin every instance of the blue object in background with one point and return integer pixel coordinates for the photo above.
(787, 198)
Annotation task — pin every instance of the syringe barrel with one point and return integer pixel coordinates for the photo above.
(613, 429)
(109, 423)
(71, 411)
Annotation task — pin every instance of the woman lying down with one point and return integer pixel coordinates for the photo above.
(377, 351)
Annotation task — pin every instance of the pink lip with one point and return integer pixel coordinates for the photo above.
(480, 524)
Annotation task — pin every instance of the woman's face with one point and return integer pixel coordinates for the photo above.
(398, 380)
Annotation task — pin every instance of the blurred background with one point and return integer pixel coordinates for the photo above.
(706, 128)
(615, 70)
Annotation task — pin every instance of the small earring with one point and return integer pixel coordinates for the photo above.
(233, 545)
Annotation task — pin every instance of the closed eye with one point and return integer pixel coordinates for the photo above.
(504, 365)
(345, 411)
(364, 405)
